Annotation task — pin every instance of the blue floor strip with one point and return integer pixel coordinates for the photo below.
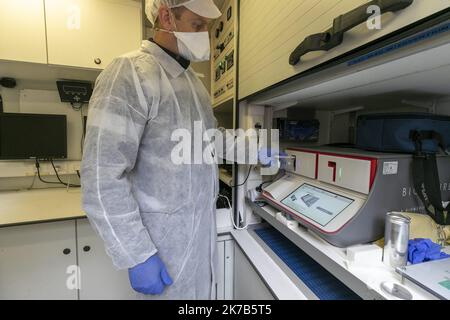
(322, 283)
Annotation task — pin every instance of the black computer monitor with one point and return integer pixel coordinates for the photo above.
(28, 136)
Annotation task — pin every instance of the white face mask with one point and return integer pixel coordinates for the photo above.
(193, 46)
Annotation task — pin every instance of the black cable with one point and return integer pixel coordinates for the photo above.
(246, 179)
(83, 133)
(59, 179)
(260, 187)
(39, 174)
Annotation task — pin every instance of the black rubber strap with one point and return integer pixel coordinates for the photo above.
(426, 176)
(428, 187)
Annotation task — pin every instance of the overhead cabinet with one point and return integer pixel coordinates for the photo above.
(75, 33)
(91, 33)
(320, 30)
(22, 35)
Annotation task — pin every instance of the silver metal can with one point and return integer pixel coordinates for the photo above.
(396, 240)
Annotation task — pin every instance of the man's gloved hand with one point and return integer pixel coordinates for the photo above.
(270, 157)
(150, 277)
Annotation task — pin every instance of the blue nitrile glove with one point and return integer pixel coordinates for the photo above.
(269, 157)
(424, 250)
(150, 277)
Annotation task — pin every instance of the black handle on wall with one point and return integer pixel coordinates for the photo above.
(334, 36)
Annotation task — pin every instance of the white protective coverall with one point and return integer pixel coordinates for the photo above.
(138, 201)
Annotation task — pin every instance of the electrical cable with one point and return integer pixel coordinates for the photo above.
(231, 215)
(82, 131)
(59, 178)
(261, 186)
(246, 179)
(57, 175)
(39, 174)
(32, 183)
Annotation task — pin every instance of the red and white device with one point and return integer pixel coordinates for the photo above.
(343, 195)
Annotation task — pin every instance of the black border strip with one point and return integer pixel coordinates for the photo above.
(234, 191)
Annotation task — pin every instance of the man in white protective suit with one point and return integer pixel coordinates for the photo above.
(157, 218)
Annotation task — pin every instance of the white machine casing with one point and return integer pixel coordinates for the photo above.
(343, 195)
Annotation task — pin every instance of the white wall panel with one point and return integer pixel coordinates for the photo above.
(271, 29)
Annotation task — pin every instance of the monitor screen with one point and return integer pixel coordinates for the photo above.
(317, 204)
(25, 136)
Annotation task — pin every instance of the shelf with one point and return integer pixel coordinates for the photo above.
(363, 280)
(43, 72)
(27, 168)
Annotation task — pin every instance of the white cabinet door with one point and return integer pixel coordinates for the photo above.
(22, 31)
(229, 270)
(248, 285)
(37, 262)
(91, 33)
(99, 278)
(220, 277)
(224, 276)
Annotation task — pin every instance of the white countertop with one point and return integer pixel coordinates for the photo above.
(39, 205)
(45, 205)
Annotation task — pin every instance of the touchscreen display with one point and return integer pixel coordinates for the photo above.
(317, 204)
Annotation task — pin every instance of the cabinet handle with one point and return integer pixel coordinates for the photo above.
(86, 248)
(335, 36)
(98, 61)
(67, 251)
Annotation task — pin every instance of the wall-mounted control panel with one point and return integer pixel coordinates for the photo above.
(224, 54)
